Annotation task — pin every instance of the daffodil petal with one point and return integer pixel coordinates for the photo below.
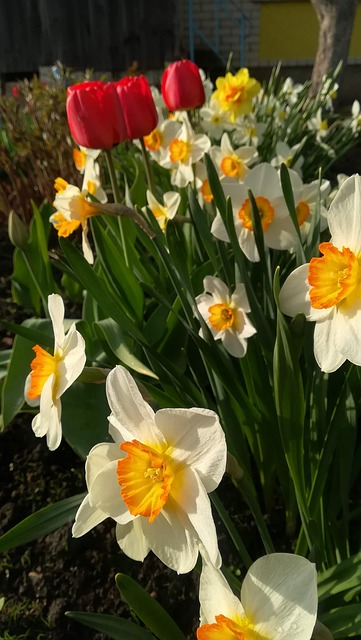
(195, 438)
(168, 538)
(86, 518)
(72, 362)
(98, 458)
(344, 218)
(327, 356)
(56, 312)
(348, 332)
(105, 493)
(132, 540)
(215, 595)
(279, 596)
(131, 416)
(194, 501)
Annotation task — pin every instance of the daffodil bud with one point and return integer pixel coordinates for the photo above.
(17, 231)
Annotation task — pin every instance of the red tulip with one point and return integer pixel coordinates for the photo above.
(182, 86)
(139, 110)
(94, 115)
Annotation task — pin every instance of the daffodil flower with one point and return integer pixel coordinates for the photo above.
(226, 315)
(166, 211)
(153, 480)
(278, 601)
(52, 375)
(328, 289)
(277, 226)
(232, 164)
(183, 151)
(235, 93)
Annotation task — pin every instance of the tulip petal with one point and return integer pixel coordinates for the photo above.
(197, 439)
(279, 596)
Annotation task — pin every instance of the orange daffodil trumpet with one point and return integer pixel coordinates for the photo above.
(153, 480)
(226, 315)
(232, 164)
(328, 289)
(52, 375)
(278, 601)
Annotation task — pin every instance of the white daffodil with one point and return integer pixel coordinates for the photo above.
(319, 125)
(248, 131)
(166, 211)
(73, 210)
(286, 155)
(52, 375)
(183, 151)
(153, 480)
(328, 289)
(278, 230)
(291, 91)
(232, 164)
(305, 197)
(202, 183)
(226, 315)
(356, 117)
(208, 85)
(85, 162)
(214, 120)
(158, 140)
(278, 601)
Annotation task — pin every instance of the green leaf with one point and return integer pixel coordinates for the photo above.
(147, 609)
(290, 202)
(341, 577)
(41, 523)
(5, 357)
(97, 288)
(13, 387)
(111, 332)
(113, 627)
(35, 330)
(114, 265)
(343, 622)
(85, 416)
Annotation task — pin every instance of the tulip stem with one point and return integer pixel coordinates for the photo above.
(148, 168)
(117, 198)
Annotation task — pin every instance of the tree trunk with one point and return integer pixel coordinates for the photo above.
(335, 18)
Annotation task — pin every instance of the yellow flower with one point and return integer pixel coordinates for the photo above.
(235, 92)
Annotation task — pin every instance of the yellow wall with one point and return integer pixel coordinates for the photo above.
(289, 31)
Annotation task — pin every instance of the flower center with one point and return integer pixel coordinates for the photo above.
(206, 191)
(226, 629)
(179, 150)
(60, 185)
(64, 226)
(42, 367)
(221, 316)
(266, 212)
(154, 140)
(334, 277)
(302, 212)
(233, 93)
(79, 158)
(323, 125)
(146, 477)
(232, 167)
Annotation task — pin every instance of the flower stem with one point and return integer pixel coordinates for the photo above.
(117, 198)
(147, 166)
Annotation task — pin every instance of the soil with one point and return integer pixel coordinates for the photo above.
(42, 580)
